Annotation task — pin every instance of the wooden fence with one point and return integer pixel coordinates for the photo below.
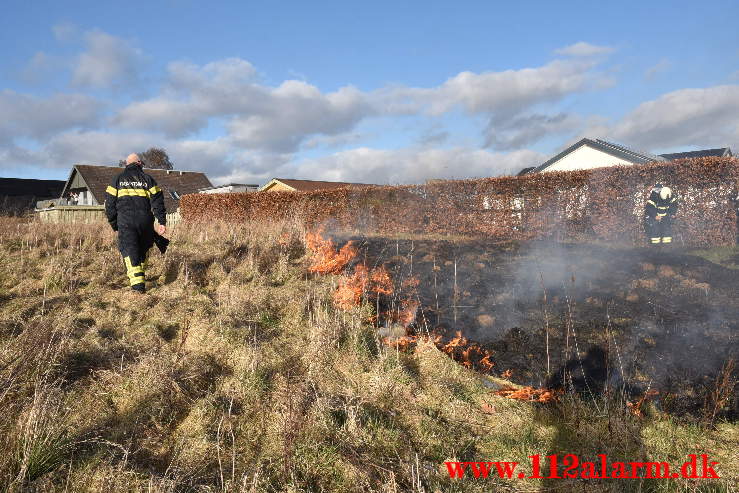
(85, 214)
(67, 214)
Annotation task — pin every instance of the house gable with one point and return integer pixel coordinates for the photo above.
(595, 153)
(586, 157)
(291, 185)
(76, 184)
(174, 183)
(276, 185)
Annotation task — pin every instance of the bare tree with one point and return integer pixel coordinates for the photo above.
(154, 157)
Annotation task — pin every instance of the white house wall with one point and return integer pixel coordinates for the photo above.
(585, 157)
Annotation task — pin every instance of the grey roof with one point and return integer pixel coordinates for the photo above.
(98, 178)
(230, 185)
(720, 152)
(617, 150)
(41, 189)
(526, 171)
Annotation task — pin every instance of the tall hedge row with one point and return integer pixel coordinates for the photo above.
(603, 203)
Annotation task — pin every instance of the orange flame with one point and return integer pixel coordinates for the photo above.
(635, 407)
(381, 282)
(469, 354)
(377, 282)
(408, 311)
(349, 292)
(326, 260)
(529, 394)
(362, 282)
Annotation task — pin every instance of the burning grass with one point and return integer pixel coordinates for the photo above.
(528, 394)
(238, 372)
(375, 285)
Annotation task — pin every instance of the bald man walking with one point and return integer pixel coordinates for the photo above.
(129, 202)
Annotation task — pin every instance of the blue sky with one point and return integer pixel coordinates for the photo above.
(377, 92)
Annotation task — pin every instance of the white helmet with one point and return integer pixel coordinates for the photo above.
(665, 193)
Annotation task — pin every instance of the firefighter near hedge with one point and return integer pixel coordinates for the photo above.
(132, 201)
(659, 212)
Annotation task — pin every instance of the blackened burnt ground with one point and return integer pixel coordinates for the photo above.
(664, 320)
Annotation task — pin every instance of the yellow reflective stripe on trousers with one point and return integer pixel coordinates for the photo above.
(154, 190)
(135, 273)
(112, 190)
(667, 239)
(655, 240)
(133, 192)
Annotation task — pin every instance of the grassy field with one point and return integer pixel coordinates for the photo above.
(236, 373)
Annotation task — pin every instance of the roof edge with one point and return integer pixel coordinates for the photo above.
(615, 150)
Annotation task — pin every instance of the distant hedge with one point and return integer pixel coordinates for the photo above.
(603, 203)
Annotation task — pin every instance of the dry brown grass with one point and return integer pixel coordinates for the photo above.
(236, 373)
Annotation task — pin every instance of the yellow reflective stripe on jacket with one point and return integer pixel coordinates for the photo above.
(111, 190)
(651, 202)
(154, 190)
(133, 192)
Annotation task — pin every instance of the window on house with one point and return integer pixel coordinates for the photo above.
(173, 193)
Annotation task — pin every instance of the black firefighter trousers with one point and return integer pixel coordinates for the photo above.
(134, 242)
(659, 231)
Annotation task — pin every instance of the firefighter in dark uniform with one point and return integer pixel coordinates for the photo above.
(658, 214)
(130, 200)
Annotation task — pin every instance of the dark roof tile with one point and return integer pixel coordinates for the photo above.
(721, 152)
(41, 189)
(181, 182)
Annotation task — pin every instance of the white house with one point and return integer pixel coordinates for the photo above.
(231, 188)
(598, 153)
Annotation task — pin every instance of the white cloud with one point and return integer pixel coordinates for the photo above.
(107, 61)
(25, 116)
(257, 116)
(298, 110)
(92, 147)
(171, 117)
(41, 66)
(285, 117)
(333, 141)
(583, 49)
(365, 165)
(524, 130)
(507, 92)
(683, 118)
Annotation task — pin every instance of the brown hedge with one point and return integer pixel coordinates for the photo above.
(603, 204)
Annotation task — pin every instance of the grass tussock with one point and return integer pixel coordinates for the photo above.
(236, 373)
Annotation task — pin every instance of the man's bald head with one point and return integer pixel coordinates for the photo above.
(132, 158)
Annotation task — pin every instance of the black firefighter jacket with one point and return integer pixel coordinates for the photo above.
(131, 198)
(655, 206)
